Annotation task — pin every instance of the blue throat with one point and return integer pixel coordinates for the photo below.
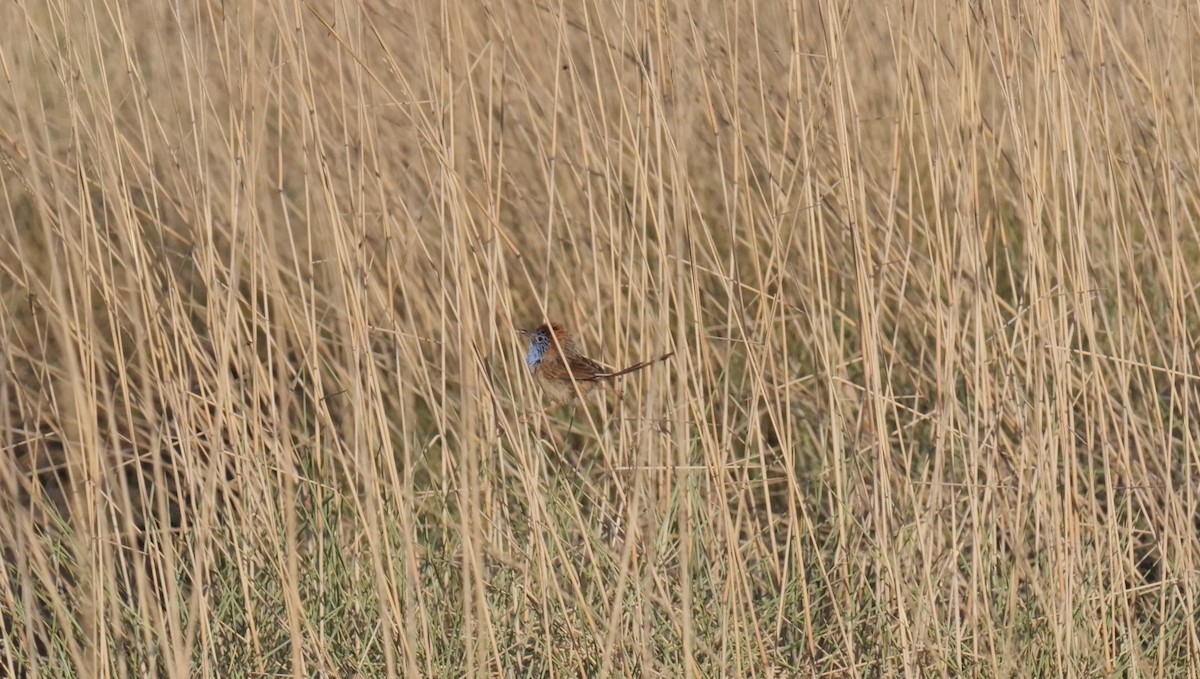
(537, 350)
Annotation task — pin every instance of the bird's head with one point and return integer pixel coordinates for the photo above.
(541, 342)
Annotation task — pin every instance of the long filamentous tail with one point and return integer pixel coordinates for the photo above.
(635, 367)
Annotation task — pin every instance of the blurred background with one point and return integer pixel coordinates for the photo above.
(929, 271)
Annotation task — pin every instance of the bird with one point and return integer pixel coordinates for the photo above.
(562, 370)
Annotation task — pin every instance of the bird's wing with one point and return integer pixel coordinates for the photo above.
(584, 369)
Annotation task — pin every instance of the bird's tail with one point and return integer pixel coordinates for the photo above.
(635, 367)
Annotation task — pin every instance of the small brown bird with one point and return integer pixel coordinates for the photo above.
(559, 367)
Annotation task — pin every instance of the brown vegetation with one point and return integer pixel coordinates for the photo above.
(929, 271)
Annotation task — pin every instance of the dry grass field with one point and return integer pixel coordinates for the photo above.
(930, 271)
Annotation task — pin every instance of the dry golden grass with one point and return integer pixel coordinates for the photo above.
(930, 271)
